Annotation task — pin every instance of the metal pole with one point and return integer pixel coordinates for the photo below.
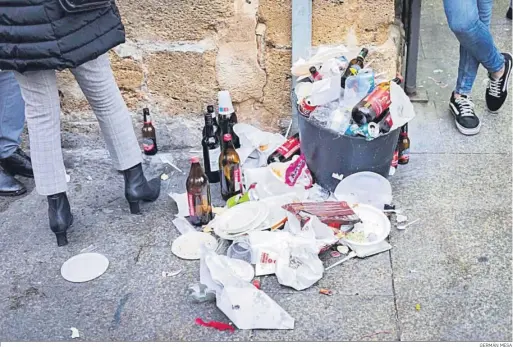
(301, 43)
(413, 30)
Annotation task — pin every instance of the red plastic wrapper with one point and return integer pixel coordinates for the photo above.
(328, 212)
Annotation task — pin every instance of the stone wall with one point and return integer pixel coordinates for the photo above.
(179, 53)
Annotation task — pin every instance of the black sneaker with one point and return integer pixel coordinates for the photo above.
(497, 90)
(464, 116)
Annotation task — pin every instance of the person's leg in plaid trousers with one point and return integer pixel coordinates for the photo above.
(42, 105)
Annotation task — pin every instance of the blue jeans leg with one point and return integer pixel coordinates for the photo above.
(470, 22)
(12, 114)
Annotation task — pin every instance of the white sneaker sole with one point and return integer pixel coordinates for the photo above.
(462, 129)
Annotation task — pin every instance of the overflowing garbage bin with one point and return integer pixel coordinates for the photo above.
(327, 153)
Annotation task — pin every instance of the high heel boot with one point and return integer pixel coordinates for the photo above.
(59, 214)
(138, 189)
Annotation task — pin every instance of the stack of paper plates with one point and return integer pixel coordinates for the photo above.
(240, 219)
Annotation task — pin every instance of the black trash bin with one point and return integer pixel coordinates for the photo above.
(327, 152)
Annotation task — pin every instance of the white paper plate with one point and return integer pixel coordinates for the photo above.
(84, 267)
(260, 210)
(188, 246)
(240, 217)
(373, 221)
(365, 187)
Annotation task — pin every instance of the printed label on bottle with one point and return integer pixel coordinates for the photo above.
(395, 159)
(213, 155)
(192, 208)
(237, 180)
(379, 99)
(290, 147)
(148, 144)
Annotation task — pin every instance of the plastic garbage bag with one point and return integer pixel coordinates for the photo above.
(299, 266)
(245, 305)
(401, 108)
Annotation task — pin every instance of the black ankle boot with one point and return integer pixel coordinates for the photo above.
(138, 189)
(59, 214)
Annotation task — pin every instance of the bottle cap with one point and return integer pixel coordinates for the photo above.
(195, 160)
(146, 110)
(312, 70)
(227, 137)
(224, 101)
(210, 109)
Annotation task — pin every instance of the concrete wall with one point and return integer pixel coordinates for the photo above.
(179, 53)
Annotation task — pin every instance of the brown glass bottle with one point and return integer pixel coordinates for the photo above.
(198, 194)
(354, 65)
(373, 105)
(148, 134)
(404, 146)
(229, 170)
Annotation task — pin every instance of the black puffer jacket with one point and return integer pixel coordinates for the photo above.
(40, 35)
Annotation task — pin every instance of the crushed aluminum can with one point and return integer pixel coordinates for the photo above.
(305, 107)
(328, 292)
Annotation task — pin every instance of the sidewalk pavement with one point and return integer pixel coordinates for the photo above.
(456, 262)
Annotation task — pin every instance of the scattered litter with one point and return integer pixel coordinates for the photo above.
(404, 226)
(328, 292)
(278, 219)
(363, 252)
(245, 305)
(200, 293)
(437, 71)
(440, 83)
(68, 178)
(164, 177)
(171, 274)
(166, 160)
(337, 176)
(188, 246)
(182, 203)
(373, 228)
(241, 250)
(299, 266)
(75, 334)
(84, 267)
(216, 325)
(183, 226)
(413, 271)
(401, 218)
(343, 249)
(89, 178)
(417, 307)
(365, 187)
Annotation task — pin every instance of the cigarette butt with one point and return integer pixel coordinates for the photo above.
(326, 292)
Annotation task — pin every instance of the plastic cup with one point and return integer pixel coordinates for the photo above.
(224, 100)
(240, 250)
